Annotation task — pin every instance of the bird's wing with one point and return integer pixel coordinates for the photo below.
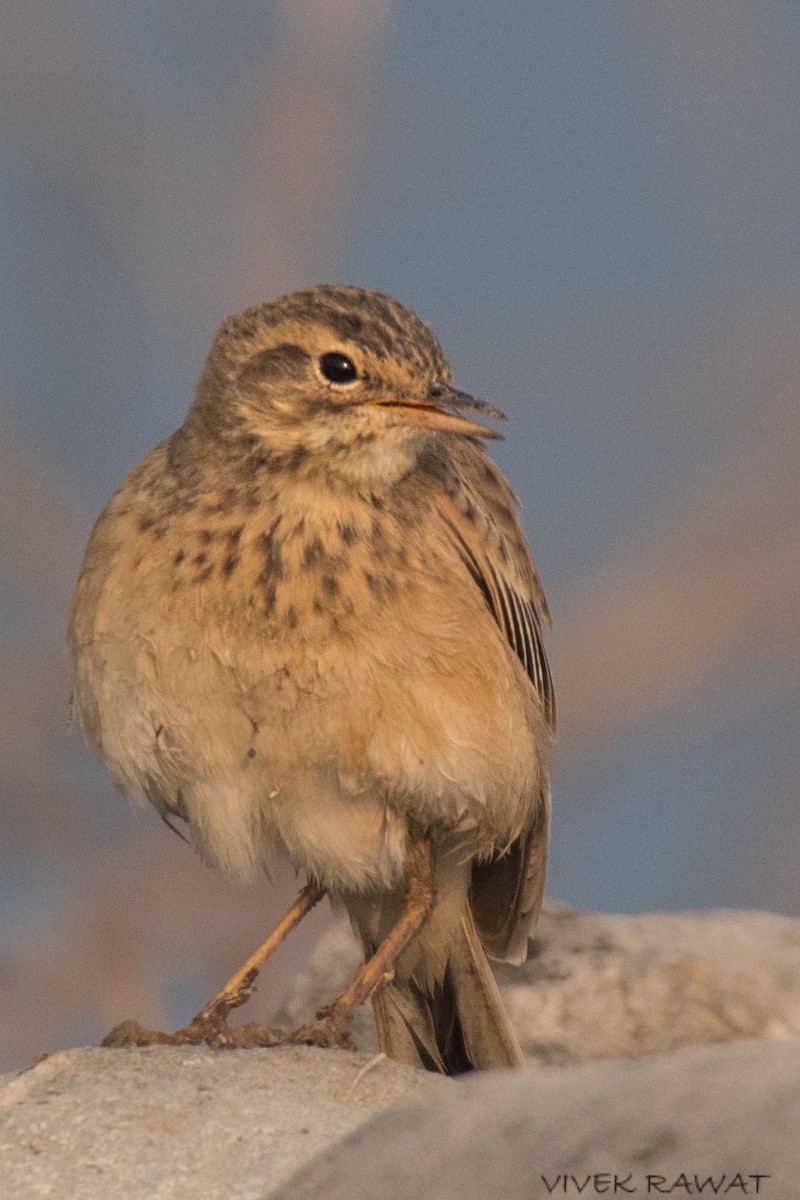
(483, 525)
(484, 528)
(507, 888)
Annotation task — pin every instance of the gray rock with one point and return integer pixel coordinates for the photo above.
(661, 1126)
(192, 1124)
(600, 987)
(185, 1123)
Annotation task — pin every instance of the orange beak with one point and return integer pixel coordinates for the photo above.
(434, 414)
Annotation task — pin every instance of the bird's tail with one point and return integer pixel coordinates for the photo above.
(455, 1025)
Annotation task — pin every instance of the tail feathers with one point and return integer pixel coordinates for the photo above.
(459, 1025)
(405, 1026)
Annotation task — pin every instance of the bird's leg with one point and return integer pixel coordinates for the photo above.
(211, 1023)
(239, 987)
(332, 1024)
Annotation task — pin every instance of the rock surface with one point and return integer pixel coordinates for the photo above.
(193, 1124)
(297, 1124)
(185, 1123)
(661, 1126)
(600, 987)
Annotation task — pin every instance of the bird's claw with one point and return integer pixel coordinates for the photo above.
(330, 1030)
(131, 1033)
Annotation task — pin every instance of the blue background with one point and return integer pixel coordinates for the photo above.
(597, 208)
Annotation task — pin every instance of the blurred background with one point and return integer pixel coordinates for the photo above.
(597, 208)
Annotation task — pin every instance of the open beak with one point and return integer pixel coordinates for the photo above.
(434, 413)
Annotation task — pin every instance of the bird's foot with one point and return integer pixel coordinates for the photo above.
(330, 1030)
(214, 1031)
(218, 1035)
(131, 1033)
(250, 1036)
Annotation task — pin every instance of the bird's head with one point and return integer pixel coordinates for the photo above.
(334, 376)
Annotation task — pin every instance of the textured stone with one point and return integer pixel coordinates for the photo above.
(185, 1123)
(726, 1112)
(600, 987)
(181, 1123)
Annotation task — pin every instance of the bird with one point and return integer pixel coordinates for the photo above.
(308, 627)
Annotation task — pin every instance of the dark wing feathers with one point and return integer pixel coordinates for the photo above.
(519, 616)
(507, 888)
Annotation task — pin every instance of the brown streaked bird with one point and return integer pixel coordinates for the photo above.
(309, 626)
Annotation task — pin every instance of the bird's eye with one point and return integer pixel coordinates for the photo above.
(338, 368)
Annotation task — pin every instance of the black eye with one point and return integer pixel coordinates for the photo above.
(338, 368)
